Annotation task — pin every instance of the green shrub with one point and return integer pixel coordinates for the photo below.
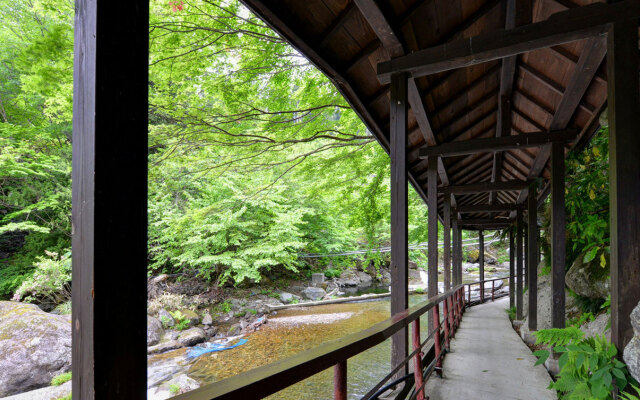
(241, 313)
(174, 388)
(587, 365)
(512, 313)
(60, 379)
(50, 282)
(332, 273)
(252, 311)
(182, 322)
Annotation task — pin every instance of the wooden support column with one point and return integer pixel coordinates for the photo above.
(399, 215)
(558, 245)
(109, 172)
(456, 253)
(446, 257)
(432, 234)
(532, 214)
(481, 262)
(519, 274)
(512, 269)
(624, 176)
(526, 255)
(459, 253)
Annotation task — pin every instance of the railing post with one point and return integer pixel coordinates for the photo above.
(436, 336)
(451, 314)
(340, 381)
(417, 360)
(493, 290)
(469, 295)
(445, 322)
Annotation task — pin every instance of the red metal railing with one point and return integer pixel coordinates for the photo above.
(269, 379)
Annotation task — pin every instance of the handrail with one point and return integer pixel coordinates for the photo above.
(481, 283)
(269, 379)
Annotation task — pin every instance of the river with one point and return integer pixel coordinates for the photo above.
(296, 329)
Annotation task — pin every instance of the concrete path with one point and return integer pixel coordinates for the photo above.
(488, 360)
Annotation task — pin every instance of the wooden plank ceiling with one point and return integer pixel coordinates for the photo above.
(544, 90)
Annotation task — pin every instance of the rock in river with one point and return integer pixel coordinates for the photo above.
(35, 346)
(313, 293)
(632, 351)
(154, 331)
(192, 336)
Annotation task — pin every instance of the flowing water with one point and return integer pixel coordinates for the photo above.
(293, 330)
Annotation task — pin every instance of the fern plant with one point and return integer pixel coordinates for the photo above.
(587, 365)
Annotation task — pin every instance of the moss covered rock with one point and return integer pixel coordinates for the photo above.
(589, 279)
(35, 346)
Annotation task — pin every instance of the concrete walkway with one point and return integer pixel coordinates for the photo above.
(488, 360)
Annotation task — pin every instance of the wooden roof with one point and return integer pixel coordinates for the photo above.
(544, 90)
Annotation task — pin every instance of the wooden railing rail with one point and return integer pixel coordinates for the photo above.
(482, 297)
(269, 379)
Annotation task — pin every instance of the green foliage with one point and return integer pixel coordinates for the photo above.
(224, 307)
(50, 282)
(581, 319)
(252, 311)
(174, 388)
(630, 396)
(332, 273)
(60, 379)
(512, 313)
(67, 397)
(419, 290)
(587, 365)
(182, 322)
(587, 203)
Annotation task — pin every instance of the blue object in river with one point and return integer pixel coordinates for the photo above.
(211, 348)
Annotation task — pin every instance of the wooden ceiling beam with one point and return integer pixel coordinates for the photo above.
(465, 90)
(337, 24)
(485, 187)
(471, 125)
(363, 55)
(563, 27)
(588, 64)
(489, 208)
(518, 12)
(467, 110)
(485, 221)
(501, 143)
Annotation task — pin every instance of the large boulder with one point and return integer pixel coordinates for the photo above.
(597, 327)
(35, 346)
(365, 280)
(192, 336)
(631, 353)
(589, 279)
(154, 331)
(313, 293)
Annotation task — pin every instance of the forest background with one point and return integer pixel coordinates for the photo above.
(254, 157)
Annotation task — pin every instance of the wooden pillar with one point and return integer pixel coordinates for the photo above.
(432, 234)
(532, 214)
(558, 245)
(456, 252)
(399, 215)
(512, 269)
(526, 254)
(519, 273)
(446, 257)
(481, 261)
(109, 172)
(624, 176)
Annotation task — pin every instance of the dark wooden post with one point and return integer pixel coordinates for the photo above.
(109, 173)
(526, 254)
(512, 269)
(519, 273)
(446, 257)
(460, 254)
(624, 173)
(399, 213)
(432, 234)
(532, 244)
(456, 252)
(558, 246)
(481, 261)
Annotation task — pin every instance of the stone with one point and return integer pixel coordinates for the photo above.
(597, 327)
(166, 318)
(47, 393)
(154, 330)
(317, 279)
(313, 293)
(35, 346)
(234, 330)
(386, 278)
(588, 279)
(365, 280)
(170, 335)
(192, 337)
(287, 298)
(631, 354)
(163, 391)
(192, 316)
(207, 320)
(164, 346)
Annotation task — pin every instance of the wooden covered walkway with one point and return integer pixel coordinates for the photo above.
(489, 361)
